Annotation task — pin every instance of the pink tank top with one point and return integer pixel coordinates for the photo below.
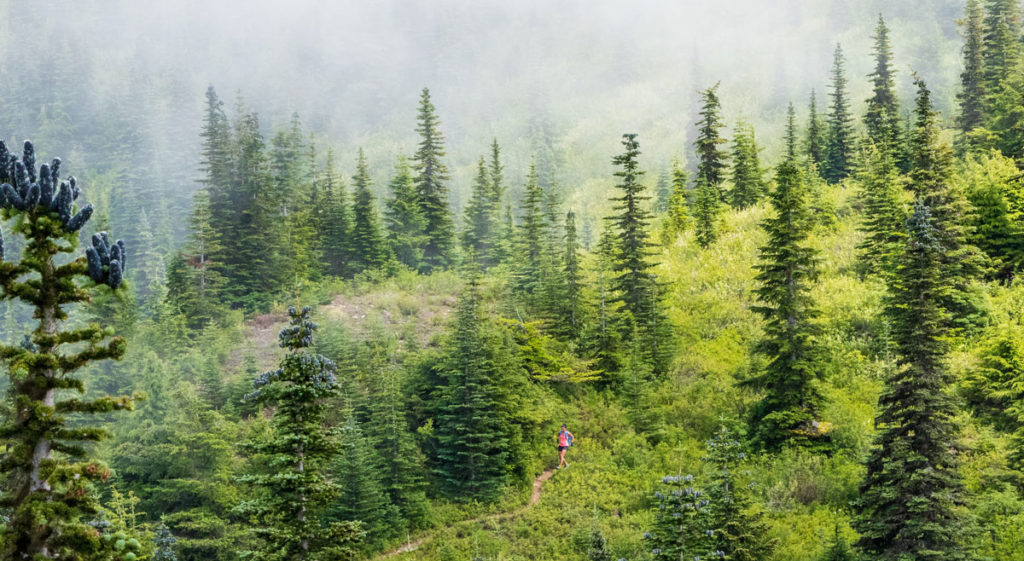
(563, 438)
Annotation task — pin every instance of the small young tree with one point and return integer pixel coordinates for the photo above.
(294, 490)
(48, 477)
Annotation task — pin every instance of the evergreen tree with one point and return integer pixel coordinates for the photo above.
(816, 137)
(908, 499)
(404, 218)
(362, 498)
(195, 290)
(662, 192)
(635, 283)
(930, 174)
(369, 250)
(682, 528)
(972, 79)
(48, 477)
(479, 236)
(402, 460)
(531, 238)
(838, 157)
(787, 412)
(432, 192)
(710, 157)
(791, 133)
(164, 544)
(839, 550)
(882, 117)
(292, 494)
(678, 212)
(747, 181)
(884, 215)
(1001, 43)
(337, 231)
(738, 531)
(598, 546)
(472, 442)
(572, 313)
(496, 177)
(706, 213)
(217, 168)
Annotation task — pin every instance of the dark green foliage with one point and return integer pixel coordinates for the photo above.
(972, 80)
(293, 490)
(480, 233)
(194, 280)
(931, 169)
(816, 135)
(710, 157)
(164, 542)
(635, 283)
(404, 218)
(361, 498)
(598, 546)
(882, 117)
(738, 530)
(369, 250)
(838, 157)
(48, 474)
(431, 188)
(677, 213)
(531, 238)
(884, 215)
(682, 522)
(571, 318)
(472, 453)
(1001, 43)
(791, 133)
(336, 233)
(787, 412)
(747, 180)
(706, 214)
(839, 549)
(907, 508)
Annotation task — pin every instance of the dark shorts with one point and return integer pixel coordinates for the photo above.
(560, 448)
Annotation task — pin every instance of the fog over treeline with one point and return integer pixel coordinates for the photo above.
(92, 80)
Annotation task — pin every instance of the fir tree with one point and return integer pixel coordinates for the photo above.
(678, 213)
(472, 442)
(1001, 43)
(738, 531)
(710, 157)
(662, 192)
(839, 550)
(572, 314)
(362, 498)
(49, 477)
(369, 250)
(431, 189)
(635, 283)
(930, 174)
(531, 238)
(337, 230)
(706, 213)
(815, 135)
(163, 543)
(787, 413)
(908, 499)
(884, 215)
(882, 117)
(972, 80)
(838, 157)
(598, 546)
(791, 133)
(288, 510)
(747, 181)
(479, 235)
(196, 294)
(404, 218)
(682, 528)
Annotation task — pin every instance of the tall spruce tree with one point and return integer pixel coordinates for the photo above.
(572, 304)
(791, 133)
(337, 232)
(432, 189)
(1001, 42)
(787, 412)
(291, 495)
(478, 236)
(706, 214)
(739, 531)
(711, 158)
(361, 496)
(197, 294)
(678, 212)
(816, 134)
(972, 79)
(635, 283)
(404, 218)
(747, 179)
(882, 118)
(369, 250)
(930, 175)
(884, 216)
(531, 238)
(48, 475)
(472, 442)
(839, 145)
(908, 499)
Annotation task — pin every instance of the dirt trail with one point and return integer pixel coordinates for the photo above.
(538, 485)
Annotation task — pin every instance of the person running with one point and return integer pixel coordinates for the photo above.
(564, 442)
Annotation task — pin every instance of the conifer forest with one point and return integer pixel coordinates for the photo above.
(323, 281)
